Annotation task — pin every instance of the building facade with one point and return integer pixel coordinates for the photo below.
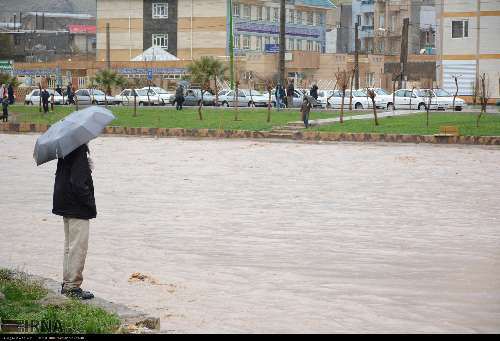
(386, 32)
(468, 45)
(189, 29)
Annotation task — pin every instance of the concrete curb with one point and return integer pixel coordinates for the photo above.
(246, 134)
(131, 320)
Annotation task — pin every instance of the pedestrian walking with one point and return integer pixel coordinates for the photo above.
(277, 95)
(45, 100)
(10, 94)
(314, 92)
(290, 92)
(70, 94)
(179, 97)
(5, 109)
(2, 90)
(305, 109)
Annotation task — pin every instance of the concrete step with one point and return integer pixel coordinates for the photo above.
(281, 135)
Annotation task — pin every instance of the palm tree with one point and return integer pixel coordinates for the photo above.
(218, 71)
(108, 79)
(201, 71)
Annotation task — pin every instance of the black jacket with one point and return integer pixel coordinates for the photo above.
(74, 188)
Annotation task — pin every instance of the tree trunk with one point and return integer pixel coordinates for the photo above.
(342, 108)
(200, 115)
(216, 92)
(375, 111)
(350, 94)
(428, 111)
(456, 92)
(269, 107)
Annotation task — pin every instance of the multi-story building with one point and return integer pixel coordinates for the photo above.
(344, 26)
(363, 14)
(388, 25)
(192, 28)
(468, 45)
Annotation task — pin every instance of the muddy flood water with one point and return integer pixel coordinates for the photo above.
(259, 236)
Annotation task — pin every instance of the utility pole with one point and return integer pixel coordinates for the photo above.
(231, 43)
(282, 42)
(356, 56)
(404, 51)
(108, 45)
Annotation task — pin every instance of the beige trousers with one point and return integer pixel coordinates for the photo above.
(76, 241)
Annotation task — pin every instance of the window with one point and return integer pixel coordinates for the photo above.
(258, 43)
(321, 19)
(237, 41)
(246, 42)
(298, 18)
(381, 21)
(236, 9)
(275, 40)
(160, 10)
(291, 16)
(310, 45)
(259, 13)
(247, 12)
(400, 93)
(276, 14)
(299, 45)
(267, 40)
(370, 78)
(291, 44)
(317, 47)
(310, 18)
(160, 40)
(268, 13)
(358, 20)
(460, 29)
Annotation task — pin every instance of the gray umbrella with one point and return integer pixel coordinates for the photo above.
(70, 133)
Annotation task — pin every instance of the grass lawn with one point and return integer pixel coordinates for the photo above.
(416, 124)
(73, 318)
(168, 117)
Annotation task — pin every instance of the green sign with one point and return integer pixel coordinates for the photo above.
(5, 65)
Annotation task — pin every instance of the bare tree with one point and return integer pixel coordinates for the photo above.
(475, 92)
(371, 93)
(353, 74)
(333, 94)
(483, 96)
(455, 78)
(343, 82)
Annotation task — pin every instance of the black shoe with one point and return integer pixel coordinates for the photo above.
(78, 294)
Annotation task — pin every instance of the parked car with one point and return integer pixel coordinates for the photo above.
(441, 99)
(323, 96)
(33, 98)
(162, 94)
(298, 97)
(359, 100)
(126, 97)
(407, 99)
(227, 98)
(259, 99)
(193, 97)
(93, 96)
(382, 97)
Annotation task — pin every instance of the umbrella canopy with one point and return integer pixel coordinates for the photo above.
(70, 133)
(311, 100)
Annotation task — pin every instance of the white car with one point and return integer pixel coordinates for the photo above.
(162, 94)
(359, 100)
(258, 99)
(441, 99)
(227, 98)
(323, 96)
(34, 97)
(93, 96)
(126, 97)
(382, 97)
(408, 99)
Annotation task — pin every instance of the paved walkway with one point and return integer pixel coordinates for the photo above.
(327, 121)
(256, 236)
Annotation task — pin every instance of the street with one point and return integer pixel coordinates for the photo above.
(261, 236)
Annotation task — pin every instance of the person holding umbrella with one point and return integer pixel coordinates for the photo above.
(73, 198)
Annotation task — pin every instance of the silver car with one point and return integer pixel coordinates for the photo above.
(93, 96)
